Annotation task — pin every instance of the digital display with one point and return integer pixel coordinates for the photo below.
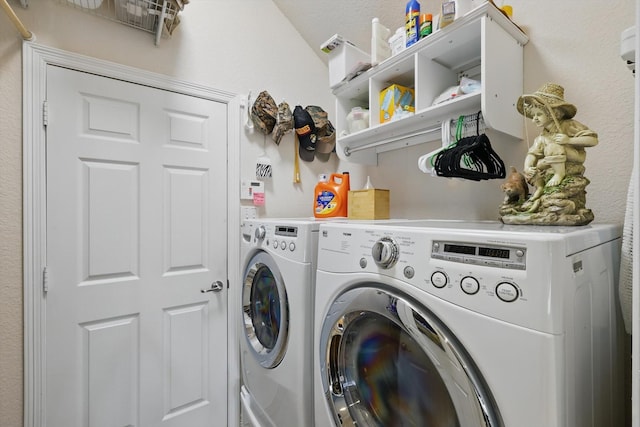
(493, 255)
(282, 230)
(494, 252)
(460, 249)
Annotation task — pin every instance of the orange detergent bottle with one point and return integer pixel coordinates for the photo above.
(330, 197)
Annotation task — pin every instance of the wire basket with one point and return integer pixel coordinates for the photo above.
(155, 16)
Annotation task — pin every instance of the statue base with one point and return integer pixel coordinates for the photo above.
(560, 205)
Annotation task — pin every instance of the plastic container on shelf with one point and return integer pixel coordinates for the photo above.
(398, 41)
(380, 49)
(343, 58)
(357, 119)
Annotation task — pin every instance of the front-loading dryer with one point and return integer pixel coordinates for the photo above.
(278, 259)
(471, 324)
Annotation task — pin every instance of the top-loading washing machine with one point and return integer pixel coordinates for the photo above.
(278, 258)
(472, 324)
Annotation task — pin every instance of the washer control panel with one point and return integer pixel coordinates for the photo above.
(487, 255)
(509, 273)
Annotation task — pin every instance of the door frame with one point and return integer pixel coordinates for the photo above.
(35, 60)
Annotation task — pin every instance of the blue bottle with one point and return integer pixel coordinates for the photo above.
(412, 22)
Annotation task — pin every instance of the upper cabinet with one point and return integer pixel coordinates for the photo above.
(484, 45)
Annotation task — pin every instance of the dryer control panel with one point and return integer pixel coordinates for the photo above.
(294, 239)
(487, 255)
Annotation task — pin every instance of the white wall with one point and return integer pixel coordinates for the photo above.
(241, 46)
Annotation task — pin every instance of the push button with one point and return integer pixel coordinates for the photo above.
(469, 285)
(409, 272)
(492, 263)
(507, 292)
(439, 279)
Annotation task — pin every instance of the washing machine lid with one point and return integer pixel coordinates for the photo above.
(390, 361)
(265, 310)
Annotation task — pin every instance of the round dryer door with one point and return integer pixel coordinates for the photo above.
(265, 310)
(391, 362)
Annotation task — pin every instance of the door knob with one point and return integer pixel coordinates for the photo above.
(216, 286)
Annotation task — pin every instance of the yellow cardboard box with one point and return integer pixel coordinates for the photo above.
(395, 99)
(368, 204)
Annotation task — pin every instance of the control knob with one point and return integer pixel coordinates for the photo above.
(385, 252)
(260, 232)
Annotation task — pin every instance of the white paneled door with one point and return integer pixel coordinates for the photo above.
(136, 230)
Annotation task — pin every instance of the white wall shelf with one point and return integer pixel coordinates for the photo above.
(483, 45)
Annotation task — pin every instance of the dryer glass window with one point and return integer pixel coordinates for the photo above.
(389, 379)
(265, 308)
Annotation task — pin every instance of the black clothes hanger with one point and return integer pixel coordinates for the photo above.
(470, 157)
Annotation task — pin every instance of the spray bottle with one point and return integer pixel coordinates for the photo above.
(412, 22)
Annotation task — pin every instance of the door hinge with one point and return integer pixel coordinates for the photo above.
(45, 280)
(227, 283)
(45, 113)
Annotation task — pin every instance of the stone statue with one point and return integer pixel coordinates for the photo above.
(554, 163)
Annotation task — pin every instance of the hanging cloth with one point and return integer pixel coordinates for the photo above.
(625, 282)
